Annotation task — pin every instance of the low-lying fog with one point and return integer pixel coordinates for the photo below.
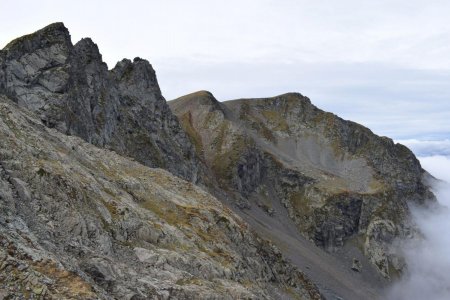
(428, 260)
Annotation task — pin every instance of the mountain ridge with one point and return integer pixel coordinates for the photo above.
(330, 196)
(340, 166)
(71, 88)
(118, 229)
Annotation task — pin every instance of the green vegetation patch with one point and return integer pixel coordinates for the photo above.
(43, 173)
(194, 136)
(224, 164)
(300, 203)
(218, 141)
(276, 120)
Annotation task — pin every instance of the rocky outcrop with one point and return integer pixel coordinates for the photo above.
(337, 180)
(83, 222)
(80, 219)
(72, 90)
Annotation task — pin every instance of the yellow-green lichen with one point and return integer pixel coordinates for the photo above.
(276, 120)
(194, 136)
(223, 164)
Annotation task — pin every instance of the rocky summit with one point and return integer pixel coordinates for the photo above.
(70, 88)
(107, 191)
(336, 180)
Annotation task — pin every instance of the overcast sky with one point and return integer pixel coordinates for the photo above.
(385, 64)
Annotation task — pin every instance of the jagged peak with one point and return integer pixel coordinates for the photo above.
(137, 74)
(144, 69)
(87, 49)
(55, 33)
(137, 59)
(127, 63)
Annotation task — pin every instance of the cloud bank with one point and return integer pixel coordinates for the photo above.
(430, 153)
(428, 260)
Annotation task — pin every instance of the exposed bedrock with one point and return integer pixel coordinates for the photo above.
(337, 180)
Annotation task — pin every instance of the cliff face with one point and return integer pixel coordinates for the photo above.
(338, 181)
(82, 222)
(83, 214)
(71, 89)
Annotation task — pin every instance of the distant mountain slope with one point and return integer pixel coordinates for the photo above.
(71, 89)
(337, 180)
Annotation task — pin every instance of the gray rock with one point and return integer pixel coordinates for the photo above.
(71, 89)
(120, 229)
(126, 231)
(356, 265)
(335, 178)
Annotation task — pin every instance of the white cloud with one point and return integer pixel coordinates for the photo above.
(438, 166)
(431, 151)
(411, 33)
(428, 259)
